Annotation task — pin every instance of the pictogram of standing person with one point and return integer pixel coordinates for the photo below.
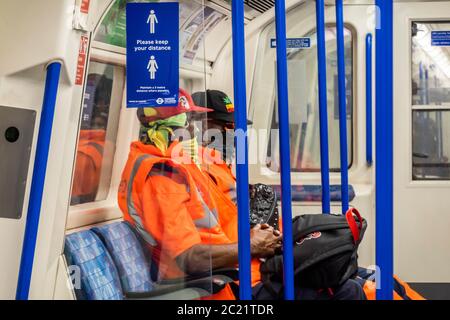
(152, 20)
(152, 67)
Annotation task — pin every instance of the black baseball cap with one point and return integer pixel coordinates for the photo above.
(219, 102)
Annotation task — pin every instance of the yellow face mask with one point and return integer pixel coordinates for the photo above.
(158, 131)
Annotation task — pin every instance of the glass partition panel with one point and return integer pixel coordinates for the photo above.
(176, 208)
(177, 194)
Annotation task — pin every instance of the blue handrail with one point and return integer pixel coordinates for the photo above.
(245, 289)
(342, 104)
(323, 112)
(285, 164)
(369, 99)
(384, 149)
(37, 184)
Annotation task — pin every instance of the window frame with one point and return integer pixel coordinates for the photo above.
(421, 108)
(352, 149)
(105, 210)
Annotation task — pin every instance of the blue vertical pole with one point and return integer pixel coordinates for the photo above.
(342, 104)
(37, 184)
(369, 99)
(245, 289)
(384, 149)
(285, 149)
(323, 112)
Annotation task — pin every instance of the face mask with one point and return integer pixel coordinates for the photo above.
(159, 131)
(190, 147)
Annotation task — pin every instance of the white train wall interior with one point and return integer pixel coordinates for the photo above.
(87, 41)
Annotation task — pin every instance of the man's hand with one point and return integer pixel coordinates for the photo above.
(264, 240)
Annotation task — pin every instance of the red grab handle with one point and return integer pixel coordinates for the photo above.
(352, 223)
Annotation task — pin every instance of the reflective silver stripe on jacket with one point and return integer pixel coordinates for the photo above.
(210, 218)
(97, 147)
(132, 209)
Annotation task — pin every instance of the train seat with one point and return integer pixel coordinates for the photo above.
(128, 255)
(113, 266)
(99, 279)
(313, 193)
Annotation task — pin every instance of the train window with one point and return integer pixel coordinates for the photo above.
(97, 138)
(112, 29)
(193, 15)
(430, 63)
(304, 109)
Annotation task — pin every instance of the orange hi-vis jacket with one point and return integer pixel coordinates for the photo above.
(175, 205)
(88, 163)
(219, 171)
(370, 289)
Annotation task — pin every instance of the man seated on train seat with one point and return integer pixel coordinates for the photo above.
(171, 199)
(89, 161)
(218, 122)
(222, 119)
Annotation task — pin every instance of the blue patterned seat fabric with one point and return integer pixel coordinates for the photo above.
(313, 193)
(99, 276)
(128, 256)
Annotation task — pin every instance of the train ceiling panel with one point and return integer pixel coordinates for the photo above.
(253, 8)
(260, 5)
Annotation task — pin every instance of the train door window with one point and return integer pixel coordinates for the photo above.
(304, 106)
(112, 30)
(98, 132)
(195, 20)
(430, 99)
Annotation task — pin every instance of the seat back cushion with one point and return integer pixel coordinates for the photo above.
(128, 255)
(99, 279)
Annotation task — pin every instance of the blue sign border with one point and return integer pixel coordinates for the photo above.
(152, 54)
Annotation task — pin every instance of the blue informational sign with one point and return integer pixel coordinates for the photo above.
(152, 54)
(440, 38)
(293, 43)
